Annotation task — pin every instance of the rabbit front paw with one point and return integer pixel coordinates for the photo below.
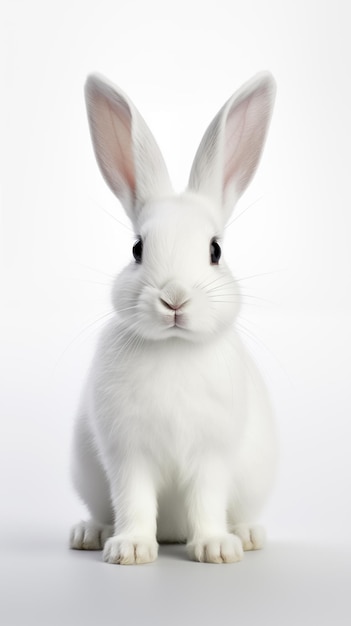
(225, 548)
(89, 535)
(252, 537)
(129, 550)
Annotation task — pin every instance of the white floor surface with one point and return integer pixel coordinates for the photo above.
(286, 584)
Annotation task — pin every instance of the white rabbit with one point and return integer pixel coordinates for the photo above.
(174, 440)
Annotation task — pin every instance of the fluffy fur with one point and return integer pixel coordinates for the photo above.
(174, 439)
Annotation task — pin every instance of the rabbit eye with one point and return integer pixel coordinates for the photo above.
(138, 250)
(215, 252)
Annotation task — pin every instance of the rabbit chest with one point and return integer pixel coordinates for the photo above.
(170, 397)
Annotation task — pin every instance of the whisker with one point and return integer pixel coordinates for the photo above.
(92, 282)
(230, 282)
(244, 211)
(128, 308)
(113, 217)
(93, 269)
(226, 301)
(101, 318)
(259, 275)
(134, 341)
(247, 295)
(224, 294)
(238, 302)
(205, 286)
(254, 338)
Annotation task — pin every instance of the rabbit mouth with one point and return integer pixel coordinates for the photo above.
(177, 320)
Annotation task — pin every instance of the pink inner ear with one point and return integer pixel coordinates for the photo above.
(233, 136)
(111, 126)
(245, 131)
(124, 158)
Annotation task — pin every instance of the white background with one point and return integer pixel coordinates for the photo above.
(61, 244)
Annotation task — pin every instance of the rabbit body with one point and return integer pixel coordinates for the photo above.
(174, 439)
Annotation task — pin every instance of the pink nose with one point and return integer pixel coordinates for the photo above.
(173, 296)
(173, 306)
(169, 305)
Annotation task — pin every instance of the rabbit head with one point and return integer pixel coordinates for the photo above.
(178, 284)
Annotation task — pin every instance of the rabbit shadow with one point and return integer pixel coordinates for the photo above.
(169, 551)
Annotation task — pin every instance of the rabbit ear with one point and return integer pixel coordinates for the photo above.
(231, 147)
(127, 153)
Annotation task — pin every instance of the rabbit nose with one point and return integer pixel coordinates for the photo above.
(169, 305)
(173, 296)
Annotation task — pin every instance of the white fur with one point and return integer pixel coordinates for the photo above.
(174, 438)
